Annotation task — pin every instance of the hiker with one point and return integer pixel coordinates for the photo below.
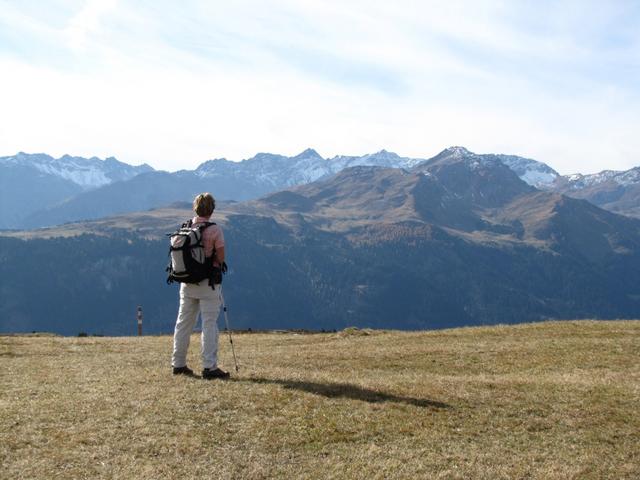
(203, 297)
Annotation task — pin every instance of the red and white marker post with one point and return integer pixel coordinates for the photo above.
(139, 317)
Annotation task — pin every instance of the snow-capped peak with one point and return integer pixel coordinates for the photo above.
(309, 153)
(305, 167)
(383, 158)
(458, 152)
(530, 171)
(384, 154)
(623, 178)
(86, 172)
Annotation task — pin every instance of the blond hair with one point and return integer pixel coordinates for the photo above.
(204, 204)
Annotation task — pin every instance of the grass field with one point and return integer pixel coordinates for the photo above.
(550, 400)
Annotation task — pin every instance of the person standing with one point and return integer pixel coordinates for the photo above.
(202, 298)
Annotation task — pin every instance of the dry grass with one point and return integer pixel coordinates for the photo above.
(552, 400)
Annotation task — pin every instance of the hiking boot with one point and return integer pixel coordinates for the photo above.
(183, 371)
(209, 373)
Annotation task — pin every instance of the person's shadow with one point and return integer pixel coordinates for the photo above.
(347, 390)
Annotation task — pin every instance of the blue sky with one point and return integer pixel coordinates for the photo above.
(176, 83)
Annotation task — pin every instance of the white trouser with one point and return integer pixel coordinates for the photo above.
(197, 298)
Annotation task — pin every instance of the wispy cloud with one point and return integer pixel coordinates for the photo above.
(87, 22)
(175, 83)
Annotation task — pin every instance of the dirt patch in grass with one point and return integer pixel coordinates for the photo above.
(550, 400)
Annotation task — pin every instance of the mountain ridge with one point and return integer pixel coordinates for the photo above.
(32, 182)
(266, 173)
(87, 173)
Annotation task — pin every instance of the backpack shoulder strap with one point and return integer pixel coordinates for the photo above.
(204, 225)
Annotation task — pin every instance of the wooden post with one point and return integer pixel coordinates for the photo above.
(139, 316)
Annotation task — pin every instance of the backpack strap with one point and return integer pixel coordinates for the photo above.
(202, 225)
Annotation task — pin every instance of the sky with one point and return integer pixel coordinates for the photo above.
(174, 84)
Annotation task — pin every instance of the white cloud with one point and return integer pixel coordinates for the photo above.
(86, 22)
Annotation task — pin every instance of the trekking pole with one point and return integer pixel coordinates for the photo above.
(226, 321)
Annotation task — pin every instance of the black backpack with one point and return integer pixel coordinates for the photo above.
(188, 263)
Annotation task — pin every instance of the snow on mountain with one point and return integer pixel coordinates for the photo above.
(281, 171)
(270, 169)
(537, 174)
(308, 167)
(458, 152)
(88, 173)
(630, 177)
(71, 188)
(273, 171)
(578, 181)
(382, 158)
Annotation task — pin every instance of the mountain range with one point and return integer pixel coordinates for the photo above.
(33, 182)
(37, 190)
(459, 239)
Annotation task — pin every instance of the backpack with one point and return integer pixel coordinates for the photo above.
(186, 252)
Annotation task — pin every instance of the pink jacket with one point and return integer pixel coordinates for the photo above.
(212, 237)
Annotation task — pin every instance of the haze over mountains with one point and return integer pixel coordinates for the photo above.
(459, 239)
(37, 190)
